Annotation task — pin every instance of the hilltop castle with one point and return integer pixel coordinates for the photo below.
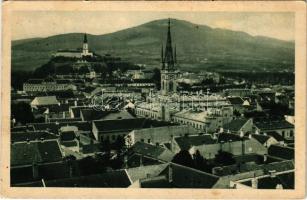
(76, 53)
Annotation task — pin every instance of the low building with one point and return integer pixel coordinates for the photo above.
(208, 120)
(155, 152)
(209, 145)
(282, 127)
(158, 135)
(239, 126)
(44, 101)
(112, 129)
(40, 85)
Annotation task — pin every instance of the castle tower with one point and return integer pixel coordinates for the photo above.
(85, 45)
(168, 72)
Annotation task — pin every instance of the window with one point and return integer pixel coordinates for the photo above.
(148, 140)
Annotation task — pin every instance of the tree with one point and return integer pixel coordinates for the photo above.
(183, 158)
(22, 112)
(201, 163)
(157, 77)
(119, 143)
(224, 158)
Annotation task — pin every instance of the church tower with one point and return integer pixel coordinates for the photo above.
(169, 72)
(85, 45)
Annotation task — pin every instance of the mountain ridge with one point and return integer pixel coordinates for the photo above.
(196, 44)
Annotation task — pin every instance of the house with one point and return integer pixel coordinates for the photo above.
(142, 172)
(68, 140)
(283, 152)
(208, 120)
(282, 127)
(111, 129)
(44, 101)
(152, 151)
(265, 140)
(112, 179)
(277, 137)
(90, 114)
(284, 180)
(209, 146)
(158, 135)
(40, 85)
(35, 152)
(238, 103)
(239, 126)
(27, 136)
(178, 176)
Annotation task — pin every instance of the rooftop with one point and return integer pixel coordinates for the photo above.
(35, 152)
(273, 125)
(235, 125)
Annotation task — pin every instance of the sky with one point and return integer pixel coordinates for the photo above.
(30, 24)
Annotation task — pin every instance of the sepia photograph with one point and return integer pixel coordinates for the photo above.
(166, 97)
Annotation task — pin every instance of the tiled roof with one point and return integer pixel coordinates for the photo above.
(91, 148)
(69, 143)
(281, 152)
(152, 151)
(113, 179)
(227, 137)
(142, 172)
(35, 152)
(235, 125)
(235, 100)
(276, 135)
(22, 128)
(67, 136)
(185, 177)
(63, 81)
(31, 136)
(51, 127)
(272, 125)
(34, 81)
(63, 120)
(127, 124)
(156, 182)
(89, 114)
(186, 142)
(261, 138)
(286, 180)
(45, 100)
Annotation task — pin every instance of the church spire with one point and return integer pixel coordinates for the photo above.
(162, 59)
(175, 55)
(168, 57)
(85, 38)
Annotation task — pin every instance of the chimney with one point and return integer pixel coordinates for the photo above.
(141, 160)
(125, 161)
(254, 183)
(221, 130)
(170, 173)
(249, 136)
(279, 186)
(241, 134)
(272, 173)
(265, 157)
(34, 170)
(70, 170)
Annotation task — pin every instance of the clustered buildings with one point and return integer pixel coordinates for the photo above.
(103, 135)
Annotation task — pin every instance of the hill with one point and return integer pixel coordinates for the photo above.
(198, 47)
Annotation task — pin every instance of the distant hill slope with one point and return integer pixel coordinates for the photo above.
(198, 47)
